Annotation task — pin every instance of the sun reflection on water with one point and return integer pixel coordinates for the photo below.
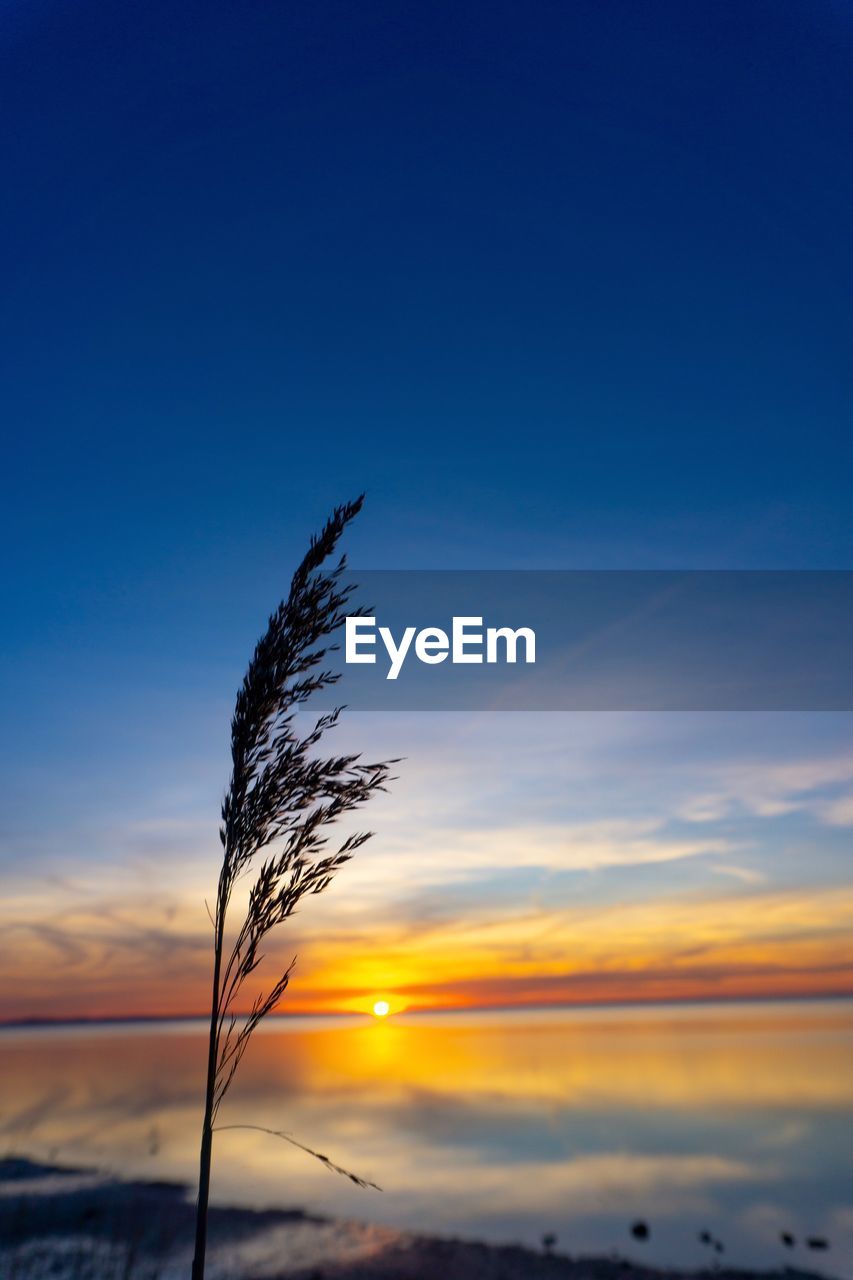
(501, 1126)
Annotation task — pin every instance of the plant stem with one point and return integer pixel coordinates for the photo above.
(207, 1124)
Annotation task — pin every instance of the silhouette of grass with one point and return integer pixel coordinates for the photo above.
(280, 791)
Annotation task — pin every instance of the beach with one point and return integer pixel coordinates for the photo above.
(81, 1224)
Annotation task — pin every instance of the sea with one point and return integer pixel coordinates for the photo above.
(680, 1135)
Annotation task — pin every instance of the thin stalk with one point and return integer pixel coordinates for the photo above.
(207, 1124)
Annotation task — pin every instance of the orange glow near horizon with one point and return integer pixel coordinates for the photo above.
(769, 944)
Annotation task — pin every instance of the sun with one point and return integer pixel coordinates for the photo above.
(381, 1009)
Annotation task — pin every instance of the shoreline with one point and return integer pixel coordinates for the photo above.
(70, 1223)
(591, 1007)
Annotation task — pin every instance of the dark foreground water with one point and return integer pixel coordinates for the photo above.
(733, 1119)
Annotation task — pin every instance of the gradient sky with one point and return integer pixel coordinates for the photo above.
(561, 286)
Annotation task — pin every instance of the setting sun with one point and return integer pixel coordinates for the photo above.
(381, 1009)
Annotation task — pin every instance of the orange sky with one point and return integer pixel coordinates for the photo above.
(518, 860)
(103, 960)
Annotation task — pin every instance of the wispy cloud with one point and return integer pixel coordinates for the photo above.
(818, 787)
(530, 858)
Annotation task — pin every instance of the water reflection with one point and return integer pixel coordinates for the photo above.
(731, 1119)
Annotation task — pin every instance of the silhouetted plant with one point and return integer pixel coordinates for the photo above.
(280, 791)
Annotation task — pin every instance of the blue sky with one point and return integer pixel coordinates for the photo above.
(561, 286)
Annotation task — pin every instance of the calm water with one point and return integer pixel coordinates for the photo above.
(735, 1119)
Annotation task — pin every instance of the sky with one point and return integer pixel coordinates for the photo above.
(561, 286)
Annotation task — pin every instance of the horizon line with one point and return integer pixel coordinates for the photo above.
(534, 1007)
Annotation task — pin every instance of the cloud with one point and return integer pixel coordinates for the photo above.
(747, 875)
(838, 812)
(768, 789)
(513, 849)
(446, 856)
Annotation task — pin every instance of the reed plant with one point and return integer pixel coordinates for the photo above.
(283, 796)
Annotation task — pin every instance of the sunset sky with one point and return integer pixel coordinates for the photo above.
(564, 293)
(519, 859)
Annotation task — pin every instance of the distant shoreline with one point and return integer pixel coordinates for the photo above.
(350, 1015)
